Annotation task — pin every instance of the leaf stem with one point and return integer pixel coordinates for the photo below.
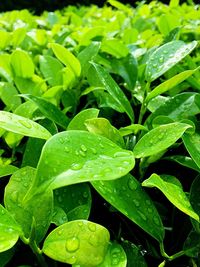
(38, 253)
(144, 106)
(167, 257)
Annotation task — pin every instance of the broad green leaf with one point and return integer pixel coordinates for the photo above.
(51, 68)
(165, 57)
(22, 125)
(59, 217)
(38, 208)
(127, 196)
(156, 102)
(159, 139)
(169, 84)
(103, 127)
(172, 189)
(184, 161)
(114, 47)
(49, 110)
(114, 90)
(192, 144)
(178, 107)
(127, 69)
(77, 156)
(191, 246)
(133, 255)
(87, 55)
(9, 230)
(18, 36)
(119, 6)
(22, 64)
(115, 256)
(77, 242)
(78, 122)
(132, 129)
(5, 68)
(9, 95)
(7, 170)
(74, 200)
(67, 58)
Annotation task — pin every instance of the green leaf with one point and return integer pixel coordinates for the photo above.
(74, 200)
(77, 242)
(9, 95)
(78, 122)
(132, 129)
(114, 90)
(78, 156)
(115, 256)
(127, 69)
(38, 208)
(169, 84)
(86, 55)
(23, 126)
(184, 161)
(9, 230)
(22, 64)
(172, 189)
(178, 107)
(114, 47)
(6, 256)
(133, 255)
(159, 139)
(67, 58)
(165, 57)
(51, 68)
(49, 110)
(195, 196)
(191, 246)
(103, 127)
(127, 196)
(7, 170)
(192, 144)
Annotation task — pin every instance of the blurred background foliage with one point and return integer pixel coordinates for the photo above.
(38, 7)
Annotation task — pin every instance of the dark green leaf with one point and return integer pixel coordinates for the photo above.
(192, 144)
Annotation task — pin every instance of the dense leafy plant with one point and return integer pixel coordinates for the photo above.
(99, 127)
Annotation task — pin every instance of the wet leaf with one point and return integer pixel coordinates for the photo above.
(127, 196)
(133, 255)
(165, 57)
(172, 189)
(159, 139)
(22, 125)
(184, 161)
(192, 144)
(9, 230)
(71, 157)
(77, 242)
(78, 122)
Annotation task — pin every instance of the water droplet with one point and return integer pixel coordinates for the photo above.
(72, 259)
(60, 232)
(15, 196)
(137, 204)
(25, 185)
(76, 166)
(80, 224)
(115, 261)
(142, 215)
(3, 212)
(101, 145)
(66, 149)
(72, 244)
(92, 227)
(94, 151)
(132, 184)
(82, 153)
(94, 240)
(161, 59)
(61, 140)
(85, 194)
(84, 148)
(155, 65)
(148, 202)
(165, 52)
(25, 124)
(122, 154)
(156, 221)
(149, 210)
(60, 199)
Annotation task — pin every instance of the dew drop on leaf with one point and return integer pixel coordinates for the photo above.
(132, 184)
(83, 148)
(92, 227)
(72, 244)
(76, 166)
(25, 124)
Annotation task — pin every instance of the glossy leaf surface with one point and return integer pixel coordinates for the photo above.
(133, 255)
(172, 189)
(113, 89)
(75, 159)
(49, 110)
(9, 230)
(77, 242)
(192, 144)
(165, 57)
(7, 170)
(127, 196)
(78, 122)
(159, 139)
(22, 125)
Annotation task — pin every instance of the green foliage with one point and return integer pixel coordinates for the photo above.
(99, 136)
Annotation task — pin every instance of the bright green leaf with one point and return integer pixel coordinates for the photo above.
(7, 170)
(172, 189)
(159, 139)
(77, 242)
(192, 144)
(22, 125)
